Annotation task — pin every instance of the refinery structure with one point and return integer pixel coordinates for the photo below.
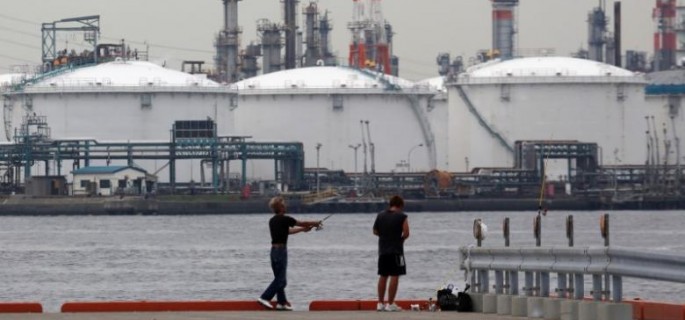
(284, 111)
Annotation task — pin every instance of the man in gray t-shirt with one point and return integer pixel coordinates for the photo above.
(392, 228)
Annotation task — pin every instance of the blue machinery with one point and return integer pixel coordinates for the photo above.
(190, 140)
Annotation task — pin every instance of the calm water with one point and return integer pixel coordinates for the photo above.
(58, 259)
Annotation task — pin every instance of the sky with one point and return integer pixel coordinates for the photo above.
(179, 30)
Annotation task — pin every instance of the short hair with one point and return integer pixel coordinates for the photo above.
(275, 202)
(396, 201)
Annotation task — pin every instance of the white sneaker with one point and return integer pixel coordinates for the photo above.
(284, 307)
(264, 303)
(380, 307)
(393, 307)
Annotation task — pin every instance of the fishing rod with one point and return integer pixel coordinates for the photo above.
(322, 220)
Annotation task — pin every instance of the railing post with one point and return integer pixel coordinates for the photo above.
(513, 283)
(597, 287)
(499, 282)
(507, 274)
(537, 232)
(579, 286)
(529, 283)
(604, 229)
(561, 285)
(617, 289)
(481, 275)
(544, 284)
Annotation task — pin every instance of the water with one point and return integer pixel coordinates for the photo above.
(57, 259)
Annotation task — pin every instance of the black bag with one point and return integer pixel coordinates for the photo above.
(464, 303)
(447, 301)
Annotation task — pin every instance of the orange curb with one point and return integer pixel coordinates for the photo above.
(21, 307)
(649, 310)
(360, 305)
(161, 306)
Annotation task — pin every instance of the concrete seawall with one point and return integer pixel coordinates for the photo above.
(218, 204)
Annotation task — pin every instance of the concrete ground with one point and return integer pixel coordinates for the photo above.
(295, 315)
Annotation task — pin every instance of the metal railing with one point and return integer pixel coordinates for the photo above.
(570, 264)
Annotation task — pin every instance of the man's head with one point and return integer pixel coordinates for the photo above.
(396, 202)
(277, 205)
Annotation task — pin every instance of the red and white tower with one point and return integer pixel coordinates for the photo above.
(665, 41)
(503, 27)
(370, 47)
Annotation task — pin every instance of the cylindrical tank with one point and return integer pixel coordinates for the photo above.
(326, 104)
(436, 111)
(494, 104)
(122, 101)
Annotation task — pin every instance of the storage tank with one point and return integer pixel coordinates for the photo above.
(494, 104)
(665, 93)
(121, 101)
(437, 112)
(324, 105)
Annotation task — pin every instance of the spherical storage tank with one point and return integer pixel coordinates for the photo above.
(494, 104)
(324, 105)
(121, 101)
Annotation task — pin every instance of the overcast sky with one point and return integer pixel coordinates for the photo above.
(184, 30)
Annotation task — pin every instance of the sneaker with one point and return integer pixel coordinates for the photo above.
(284, 307)
(380, 307)
(265, 304)
(393, 307)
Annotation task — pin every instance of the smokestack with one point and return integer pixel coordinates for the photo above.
(290, 33)
(503, 27)
(617, 33)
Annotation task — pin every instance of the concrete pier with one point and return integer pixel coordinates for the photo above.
(257, 315)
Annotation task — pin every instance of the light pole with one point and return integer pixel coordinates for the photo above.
(355, 155)
(318, 147)
(409, 156)
(355, 147)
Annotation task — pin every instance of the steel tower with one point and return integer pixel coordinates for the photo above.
(503, 27)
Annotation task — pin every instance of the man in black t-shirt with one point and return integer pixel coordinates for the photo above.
(280, 226)
(392, 228)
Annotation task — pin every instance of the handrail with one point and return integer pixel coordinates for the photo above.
(596, 261)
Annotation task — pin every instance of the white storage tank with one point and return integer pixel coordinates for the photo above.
(494, 104)
(665, 94)
(324, 105)
(437, 111)
(121, 101)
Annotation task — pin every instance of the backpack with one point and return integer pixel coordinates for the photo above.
(447, 301)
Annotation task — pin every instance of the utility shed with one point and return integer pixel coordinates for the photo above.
(42, 186)
(110, 180)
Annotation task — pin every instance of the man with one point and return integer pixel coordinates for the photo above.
(280, 226)
(392, 229)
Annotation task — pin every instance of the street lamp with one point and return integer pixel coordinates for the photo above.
(318, 147)
(409, 156)
(355, 154)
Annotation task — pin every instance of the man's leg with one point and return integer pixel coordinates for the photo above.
(392, 288)
(382, 281)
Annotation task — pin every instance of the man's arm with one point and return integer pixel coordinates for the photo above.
(305, 226)
(405, 229)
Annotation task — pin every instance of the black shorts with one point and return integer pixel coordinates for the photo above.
(391, 265)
